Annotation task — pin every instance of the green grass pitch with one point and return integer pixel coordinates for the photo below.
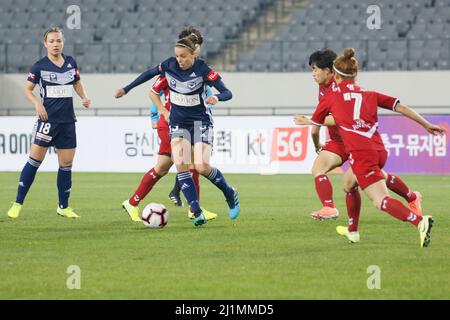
(273, 251)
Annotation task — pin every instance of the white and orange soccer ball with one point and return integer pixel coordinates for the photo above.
(155, 216)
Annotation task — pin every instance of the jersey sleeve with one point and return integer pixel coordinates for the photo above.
(77, 71)
(160, 85)
(386, 102)
(35, 74)
(211, 76)
(322, 110)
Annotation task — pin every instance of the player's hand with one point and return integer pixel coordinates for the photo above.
(212, 100)
(120, 93)
(41, 112)
(436, 130)
(86, 102)
(301, 120)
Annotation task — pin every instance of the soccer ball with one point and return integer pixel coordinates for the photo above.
(155, 216)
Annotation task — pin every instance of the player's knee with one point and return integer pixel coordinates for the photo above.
(65, 163)
(203, 168)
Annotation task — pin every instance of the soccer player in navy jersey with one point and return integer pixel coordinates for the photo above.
(191, 124)
(57, 75)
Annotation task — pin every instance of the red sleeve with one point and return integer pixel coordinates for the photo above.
(322, 110)
(159, 85)
(386, 102)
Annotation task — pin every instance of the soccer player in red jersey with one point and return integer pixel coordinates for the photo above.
(355, 112)
(333, 154)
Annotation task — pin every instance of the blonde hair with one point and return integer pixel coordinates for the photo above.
(346, 64)
(51, 30)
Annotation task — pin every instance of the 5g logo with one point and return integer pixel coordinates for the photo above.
(74, 19)
(374, 280)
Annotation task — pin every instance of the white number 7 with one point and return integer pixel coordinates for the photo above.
(358, 101)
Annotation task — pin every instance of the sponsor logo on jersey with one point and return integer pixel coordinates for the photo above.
(59, 78)
(69, 66)
(213, 75)
(192, 75)
(31, 76)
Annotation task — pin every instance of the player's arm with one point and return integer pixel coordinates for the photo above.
(40, 109)
(315, 135)
(143, 77)
(302, 120)
(213, 79)
(81, 91)
(154, 115)
(413, 115)
(158, 103)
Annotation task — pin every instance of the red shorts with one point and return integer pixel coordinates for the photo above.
(336, 147)
(163, 133)
(367, 165)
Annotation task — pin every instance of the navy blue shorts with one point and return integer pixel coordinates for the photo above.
(203, 133)
(59, 135)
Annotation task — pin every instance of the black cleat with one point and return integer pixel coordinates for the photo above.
(175, 198)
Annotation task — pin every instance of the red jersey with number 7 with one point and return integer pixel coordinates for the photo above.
(355, 112)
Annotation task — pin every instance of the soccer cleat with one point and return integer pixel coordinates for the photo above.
(14, 211)
(208, 214)
(233, 205)
(132, 211)
(326, 213)
(416, 205)
(353, 237)
(175, 198)
(200, 220)
(425, 230)
(67, 212)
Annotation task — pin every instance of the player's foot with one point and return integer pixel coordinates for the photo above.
(208, 214)
(326, 213)
(233, 205)
(175, 198)
(416, 205)
(200, 220)
(425, 230)
(14, 211)
(132, 211)
(353, 237)
(67, 212)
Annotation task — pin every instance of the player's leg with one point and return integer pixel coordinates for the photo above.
(182, 154)
(353, 204)
(202, 153)
(37, 155)
(371, 180)
(397, 185)
(148, 181)
(64, 182)
(324, 163)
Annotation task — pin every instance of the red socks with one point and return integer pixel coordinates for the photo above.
(353, 201)
(324, 190)
(195, 177)
(398, 210)
(397, 185)
(147, 183)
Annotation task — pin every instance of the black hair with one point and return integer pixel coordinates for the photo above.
(323, 58)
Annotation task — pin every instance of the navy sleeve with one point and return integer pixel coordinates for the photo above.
(224, 93)
(35, 74)
(144, 77)
(77, 70)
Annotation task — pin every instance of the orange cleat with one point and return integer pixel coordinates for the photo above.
(326, 213)
(416, 205)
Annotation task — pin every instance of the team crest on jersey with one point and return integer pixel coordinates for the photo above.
(192, 84)
(53, 77)
(173, 83)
